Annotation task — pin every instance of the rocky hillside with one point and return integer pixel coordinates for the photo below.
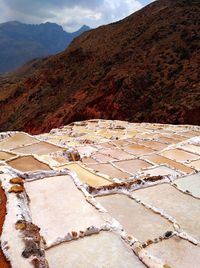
(21, 42)
(143, 68)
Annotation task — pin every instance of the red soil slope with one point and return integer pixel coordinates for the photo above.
(143, 68)
(3, 262)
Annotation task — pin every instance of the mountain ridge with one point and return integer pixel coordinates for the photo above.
(20, 42)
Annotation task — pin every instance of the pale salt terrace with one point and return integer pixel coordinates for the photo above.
(28, 163)
(176, 252)
(16, 140)
(103, 250)
(182, 207)
(66, 207)
(131, 200)
(86, 176)
(37, 148)
(190, 184)
(137, 220)
(6, 156)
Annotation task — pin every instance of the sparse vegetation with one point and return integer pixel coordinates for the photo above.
(143, 68)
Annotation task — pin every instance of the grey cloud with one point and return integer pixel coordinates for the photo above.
(70, 13)
(34, 5)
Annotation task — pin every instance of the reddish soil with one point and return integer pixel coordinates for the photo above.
(143, 68)
(3, 262)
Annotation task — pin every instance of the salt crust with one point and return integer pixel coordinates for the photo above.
(18, 207)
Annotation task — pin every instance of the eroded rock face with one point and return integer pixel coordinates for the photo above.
(71, 155)
(17, 180)
(16, 189)
(40, 263)
(33, 243)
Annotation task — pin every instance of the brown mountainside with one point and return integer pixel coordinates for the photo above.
(143, 68)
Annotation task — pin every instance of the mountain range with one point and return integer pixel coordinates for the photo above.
(142, 68)
(21, 42)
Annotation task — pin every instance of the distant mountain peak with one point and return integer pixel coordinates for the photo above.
(12, 23)
(22, 42)
(15, 22)
(85, 28)
(51, 25)
(82, 29)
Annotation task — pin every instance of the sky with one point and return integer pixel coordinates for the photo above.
(71, 14)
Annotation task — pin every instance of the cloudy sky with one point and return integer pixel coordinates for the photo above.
(71, 14)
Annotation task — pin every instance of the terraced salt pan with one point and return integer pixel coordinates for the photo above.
(70, 143)
(28, 163)
(191, 148)
(157, 159)
(132, 166)
(17, 140)
(168, 140)
(137, 149)
(195, 164)
(190, 134)
(86, 150)
(60, 211)
(92, 138)
(113, 137)
(155, 145)
(179, 155)
(38, 148)
(86, 176)
(189, 183)
(61, 140)
(184, 208)
(104, 123)
(6, 156)
(179, 137)
(60, 160)
(148, 136)
(116, 133)
(137, 220)
(88, 160)
(97, 251)
(176, 252)
(116, 153)
(105, 134)
(131, 134)
(120, 143)
(105, 145)
(52, 160)
(161, 171)
(102, 158)
(109, 170)
(155, 127)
